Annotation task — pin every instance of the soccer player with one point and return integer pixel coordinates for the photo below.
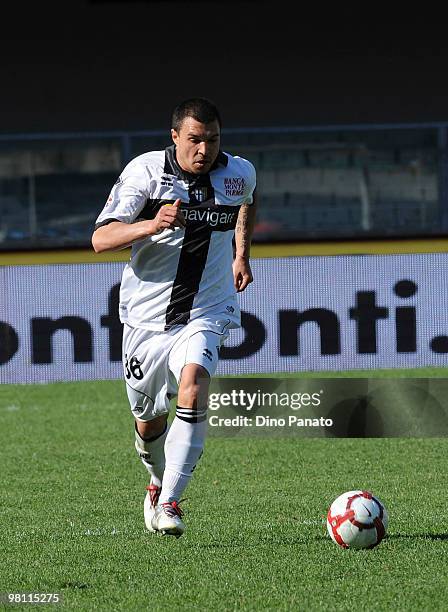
(179, 209)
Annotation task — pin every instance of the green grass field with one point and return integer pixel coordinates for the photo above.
(72, 520)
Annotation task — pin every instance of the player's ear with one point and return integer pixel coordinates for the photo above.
(174, 135)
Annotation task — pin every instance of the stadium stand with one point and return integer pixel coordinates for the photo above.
(312, 183)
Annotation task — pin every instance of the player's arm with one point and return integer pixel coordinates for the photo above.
(118, 235)
(242, 274)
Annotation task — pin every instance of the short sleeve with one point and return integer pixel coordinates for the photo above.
(251, 183)
(127, 197)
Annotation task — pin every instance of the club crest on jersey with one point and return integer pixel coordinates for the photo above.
(200, 194)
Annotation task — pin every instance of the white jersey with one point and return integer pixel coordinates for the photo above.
(179, 275)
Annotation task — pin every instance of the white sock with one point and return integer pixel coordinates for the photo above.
(152, 454)
(183, 448)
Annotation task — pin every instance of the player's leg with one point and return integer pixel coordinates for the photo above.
(185, 441)
(150, 437)
(145, 357)
(149, 443)
(193, 361)
(183, 447)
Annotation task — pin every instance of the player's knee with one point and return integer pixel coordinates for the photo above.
(152, 428)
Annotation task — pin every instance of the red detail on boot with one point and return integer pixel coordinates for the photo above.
(154, 494)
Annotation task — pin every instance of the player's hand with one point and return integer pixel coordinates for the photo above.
(242, 274)
(169, 216)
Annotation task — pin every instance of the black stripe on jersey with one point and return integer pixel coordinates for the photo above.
(220, 218)
(192, 260)
(193, 257)
(152, 207)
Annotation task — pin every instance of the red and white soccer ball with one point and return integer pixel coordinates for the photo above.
(357, 519)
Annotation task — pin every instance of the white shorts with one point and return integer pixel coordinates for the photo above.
(153, 361)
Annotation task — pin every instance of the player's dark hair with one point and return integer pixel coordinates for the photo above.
(200, 109)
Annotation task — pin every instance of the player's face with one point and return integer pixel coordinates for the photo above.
(197, 145)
